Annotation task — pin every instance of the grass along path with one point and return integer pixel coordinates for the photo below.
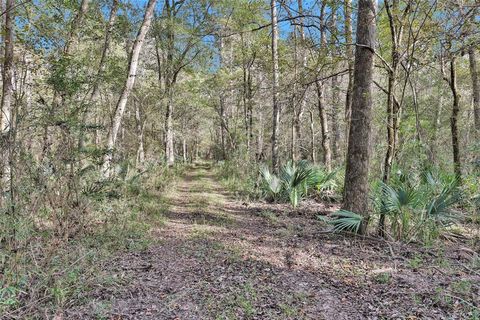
(217, 258)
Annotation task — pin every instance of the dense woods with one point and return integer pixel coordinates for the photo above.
(360, 117)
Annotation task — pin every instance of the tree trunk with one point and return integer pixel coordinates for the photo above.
(393, 109)
(259, 155)
(349, 53)
(454, 121)
(78, 20)
(169, 147)
(327, 152)
(302, 103)
(275, 85)
(101, 68)
(356, 198)
(222, 113)
(170, 80)
(335, 89)
(57, 103)
(132, 72)
(326, 140)
(184, 150)
(435, 128)
(475, 90)
(140, 136)
(313, 155)
(7, 98)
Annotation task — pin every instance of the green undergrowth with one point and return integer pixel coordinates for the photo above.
(239, 177)
(50, 258)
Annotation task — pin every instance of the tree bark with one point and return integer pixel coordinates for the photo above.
(222, 112)
(7, 97)
(169, 147)
(335, 88)
(356, 198)
(130, 81)
(327, 151)
(313, 155)
(320, 86)
(475, 90)
(393, 109)
(299, 102)
(275, 85)
(347, 7)
(140, 159)
(169, 83)
(457, 164)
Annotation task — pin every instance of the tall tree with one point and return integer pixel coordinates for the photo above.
(475, 89)
(347, 12)
(320, 88)
(396, 26)
(129, 82)
(451, 79)
(335, 92)
(356, 198)
(275, 87)
(7, 96)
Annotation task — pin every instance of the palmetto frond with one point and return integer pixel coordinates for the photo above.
(344, 220)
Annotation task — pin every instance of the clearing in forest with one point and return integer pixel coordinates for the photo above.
(219, 258)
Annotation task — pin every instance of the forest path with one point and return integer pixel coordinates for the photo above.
(217, 258)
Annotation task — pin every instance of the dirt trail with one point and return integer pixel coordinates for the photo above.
(217, 258)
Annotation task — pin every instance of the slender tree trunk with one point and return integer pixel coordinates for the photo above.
(169, 84)
(435, 128)
(327, 152)
(250, 108)
(335, 88)
(302, 102)
(7, 98)
(393, 109)
(78, 21)
(101, 68)
(132, 73)
(57, 103)
(320, 86)
(222, 113)
(313, 155)
(349, 53)
(454, 120)
(391, 141)
(140, 136)
(275, 86)
(475, 90)
(260, 137)
(169, 147)
(247, 96)
(356, 198)
(294, 146)
(184, 150)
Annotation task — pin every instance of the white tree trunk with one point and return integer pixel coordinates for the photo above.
(130, 81)
(141, 145)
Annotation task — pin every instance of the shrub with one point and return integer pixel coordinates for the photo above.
(296, 181)
(418, 205)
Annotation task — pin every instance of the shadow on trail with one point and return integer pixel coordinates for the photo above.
(219, 259)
